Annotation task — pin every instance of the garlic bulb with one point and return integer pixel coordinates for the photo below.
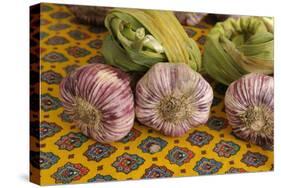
(249, 107)
(172, 98)
(92, 15)
(189, 18)
(100, 100)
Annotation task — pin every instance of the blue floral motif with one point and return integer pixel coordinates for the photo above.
(45, 8)
(44, 21)
(226, 148)
(207, 166)
(267, 147)
(43, 35)
(96, 59)
(201, 40)
(51, 77)
(66, 117)
(70, 172)
(152, 145)
(56, 40)
(48, 129)
(48, 102)
(131, 136)
(71, 140)
(233, 170)
(99, 151)
(217, 123)
(95, 44)
(78, 35)
(60, 15)
(157, 172)
(58, 27)
(77, 52)
(53, 57)
(69, 69)
(190, 32)
(43, 160)
(199, 138)
(179, 155)
(101, 178)
(254, 159)
(127, 163)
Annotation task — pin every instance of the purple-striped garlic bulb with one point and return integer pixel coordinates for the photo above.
(189, 18)
(99, 99)
(172, 98)
(249, 107)
(92, 15)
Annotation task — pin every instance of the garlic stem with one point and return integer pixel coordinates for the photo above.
(174, 109)
(87, 113)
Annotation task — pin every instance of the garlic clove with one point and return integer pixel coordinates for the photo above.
(172, 98)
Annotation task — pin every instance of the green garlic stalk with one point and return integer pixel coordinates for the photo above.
(237, 47)
(140, 38)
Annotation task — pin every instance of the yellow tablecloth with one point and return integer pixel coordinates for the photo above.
(67, 156)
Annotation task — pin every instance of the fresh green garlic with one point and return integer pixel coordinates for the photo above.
(138, 39)
(239, 46)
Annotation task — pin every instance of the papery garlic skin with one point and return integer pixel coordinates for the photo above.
(249, 106)
(172, 98)
(99, 99)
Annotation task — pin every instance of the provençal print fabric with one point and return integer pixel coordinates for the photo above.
(67, 156)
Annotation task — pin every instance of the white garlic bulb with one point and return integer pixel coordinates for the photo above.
(172, 98)
(249, 105)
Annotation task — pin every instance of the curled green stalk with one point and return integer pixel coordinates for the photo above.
(140, 38)
(237, 47)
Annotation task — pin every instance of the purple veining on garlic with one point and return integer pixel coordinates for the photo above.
(100, 100)
(249, 105)
(172, 98)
